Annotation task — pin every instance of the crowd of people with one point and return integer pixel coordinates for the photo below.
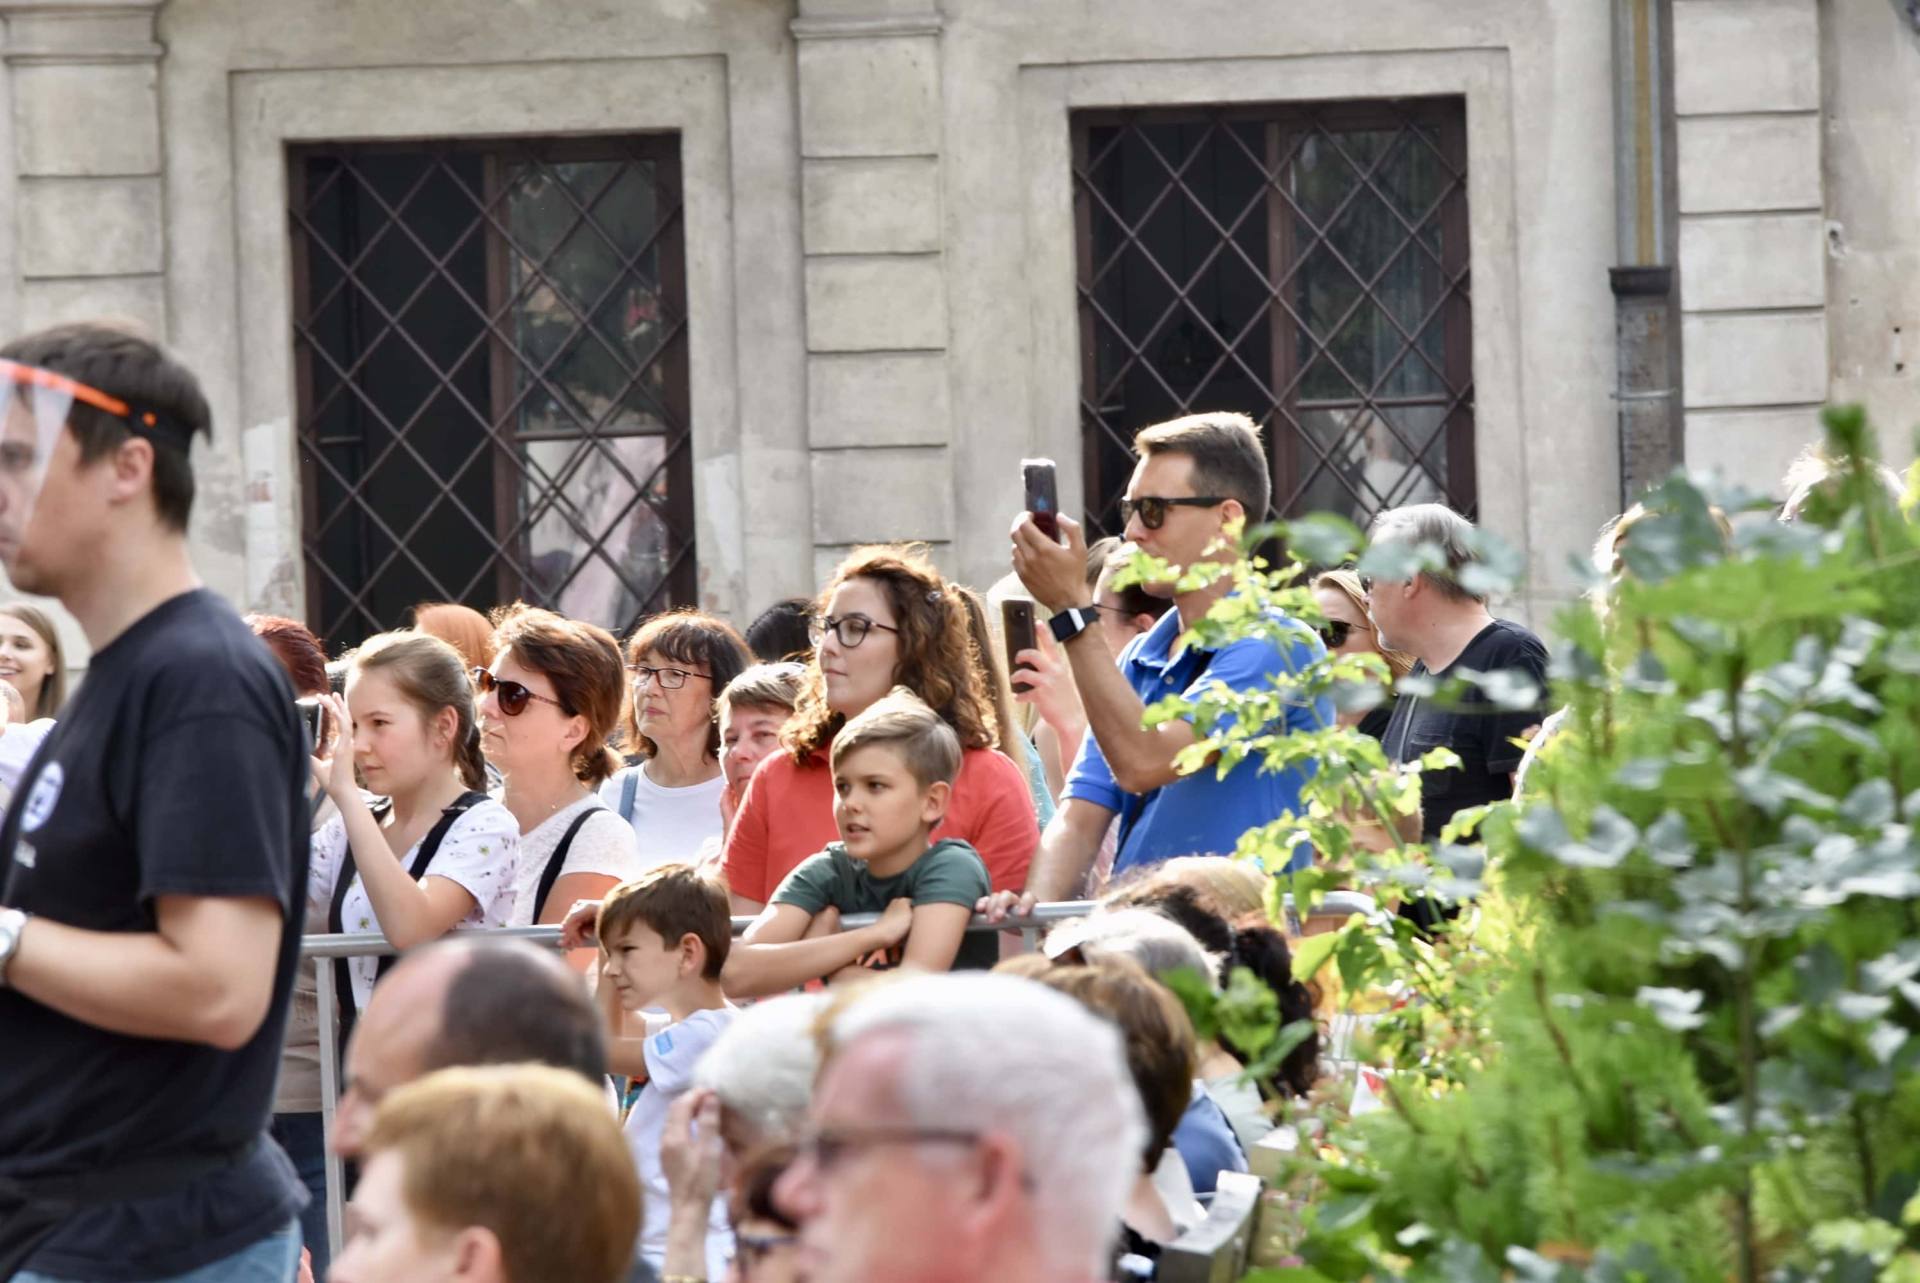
(658, 1098)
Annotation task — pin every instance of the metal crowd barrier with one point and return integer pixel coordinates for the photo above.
(373, 945)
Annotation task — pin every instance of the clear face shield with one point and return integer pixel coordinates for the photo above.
(34, 408)
(33, 411)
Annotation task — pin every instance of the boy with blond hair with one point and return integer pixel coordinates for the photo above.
(893, 772)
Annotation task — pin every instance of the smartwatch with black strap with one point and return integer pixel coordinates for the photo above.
(1071, 622)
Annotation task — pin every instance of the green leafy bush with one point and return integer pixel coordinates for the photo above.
(1672, 1034)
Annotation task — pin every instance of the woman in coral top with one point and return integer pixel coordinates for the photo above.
(887, 619)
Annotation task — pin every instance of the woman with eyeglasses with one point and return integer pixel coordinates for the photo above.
(677, 663)
(1349, 630)
(887, 619)
(766, 1239)
(433, 852)
(549, 701)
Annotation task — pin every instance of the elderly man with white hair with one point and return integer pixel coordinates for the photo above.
(1434, 616)
(965, 1127)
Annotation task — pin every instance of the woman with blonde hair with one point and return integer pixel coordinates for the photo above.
(987, 647)
(886, 619)
(1349, 630)
(31, 660)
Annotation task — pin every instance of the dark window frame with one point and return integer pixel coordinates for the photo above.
(524, 492)
(1297, 459)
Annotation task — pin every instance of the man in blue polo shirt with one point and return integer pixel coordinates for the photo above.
(1195, 476)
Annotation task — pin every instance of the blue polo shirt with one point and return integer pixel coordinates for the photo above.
(1202, 814)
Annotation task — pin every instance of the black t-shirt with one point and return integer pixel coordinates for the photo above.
(1478, 730)
(178, 769)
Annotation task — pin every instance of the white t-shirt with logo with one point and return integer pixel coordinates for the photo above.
(479, 853)
(604, 845)
(671, 1055)
(672, 824)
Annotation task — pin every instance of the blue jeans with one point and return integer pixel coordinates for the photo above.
(273, 1259)
(304, 1139)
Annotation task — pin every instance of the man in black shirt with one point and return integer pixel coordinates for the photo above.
(1448, 628)
(153, 863)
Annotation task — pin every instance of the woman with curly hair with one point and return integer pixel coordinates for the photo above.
(886, 619)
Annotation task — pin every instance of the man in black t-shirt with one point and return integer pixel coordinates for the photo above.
(1448, 628)
(153, 863)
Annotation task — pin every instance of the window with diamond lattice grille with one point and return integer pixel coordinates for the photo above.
(1306, 265)
(490, 342)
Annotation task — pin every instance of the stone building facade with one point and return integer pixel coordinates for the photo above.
(840, 265)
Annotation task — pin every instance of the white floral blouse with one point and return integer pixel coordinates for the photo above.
(479, 853)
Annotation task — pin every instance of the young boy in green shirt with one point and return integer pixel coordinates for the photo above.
(893, 772)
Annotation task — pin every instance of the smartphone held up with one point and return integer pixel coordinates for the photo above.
(1043, 495)
(1018, 632)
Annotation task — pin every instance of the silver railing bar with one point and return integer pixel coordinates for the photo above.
(374, 945)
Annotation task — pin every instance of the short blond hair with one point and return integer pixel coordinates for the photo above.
(902, 721)
(528, 1152)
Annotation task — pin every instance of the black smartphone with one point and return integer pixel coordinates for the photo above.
(1043, 495)
(314, 714)
(1017, 630)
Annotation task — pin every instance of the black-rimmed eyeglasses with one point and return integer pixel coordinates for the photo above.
(851, 630)
(1152, 508)
(671, 679)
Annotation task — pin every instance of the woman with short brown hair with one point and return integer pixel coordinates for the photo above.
(550, 700)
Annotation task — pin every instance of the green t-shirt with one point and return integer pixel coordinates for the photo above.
(950, 872)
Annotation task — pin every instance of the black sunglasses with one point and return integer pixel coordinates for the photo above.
(1152, 509)
(1335, 633)
(512, 696)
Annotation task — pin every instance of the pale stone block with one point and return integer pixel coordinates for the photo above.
(1739, 163)
(880, 495)
(1766, 260)
(862, 304)
(1751, 448)
(876, 96)
(1776, 358)
(90, 226)
(94, 121)
(1745, 55)
(140, 299)
(892, 398)
(880, 206)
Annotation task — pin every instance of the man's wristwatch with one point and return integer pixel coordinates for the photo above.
(1071, 622)
(12, 923)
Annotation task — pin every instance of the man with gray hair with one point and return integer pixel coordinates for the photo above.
(1446, 625)
(966, 1126)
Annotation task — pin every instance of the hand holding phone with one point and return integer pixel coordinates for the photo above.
(1018, 633)
(1043, 495)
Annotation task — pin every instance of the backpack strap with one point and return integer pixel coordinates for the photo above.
(422, 857)
(558, 860)
(629, 789)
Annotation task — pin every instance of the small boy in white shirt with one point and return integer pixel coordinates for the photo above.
(663, 938)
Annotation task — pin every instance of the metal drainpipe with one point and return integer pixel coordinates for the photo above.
(1646, 284)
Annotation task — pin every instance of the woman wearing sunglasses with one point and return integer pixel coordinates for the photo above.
(887, 619)
(434, 852)
(548, 703)
(677, 663)
(1349, 630)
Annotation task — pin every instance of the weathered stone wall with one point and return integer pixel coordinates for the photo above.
(880, 235)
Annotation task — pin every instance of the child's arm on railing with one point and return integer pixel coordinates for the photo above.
(773, 956)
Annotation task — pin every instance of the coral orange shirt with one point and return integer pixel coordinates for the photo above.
(787, 815)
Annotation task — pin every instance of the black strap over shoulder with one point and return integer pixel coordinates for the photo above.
(423, 856)
(558, 860)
